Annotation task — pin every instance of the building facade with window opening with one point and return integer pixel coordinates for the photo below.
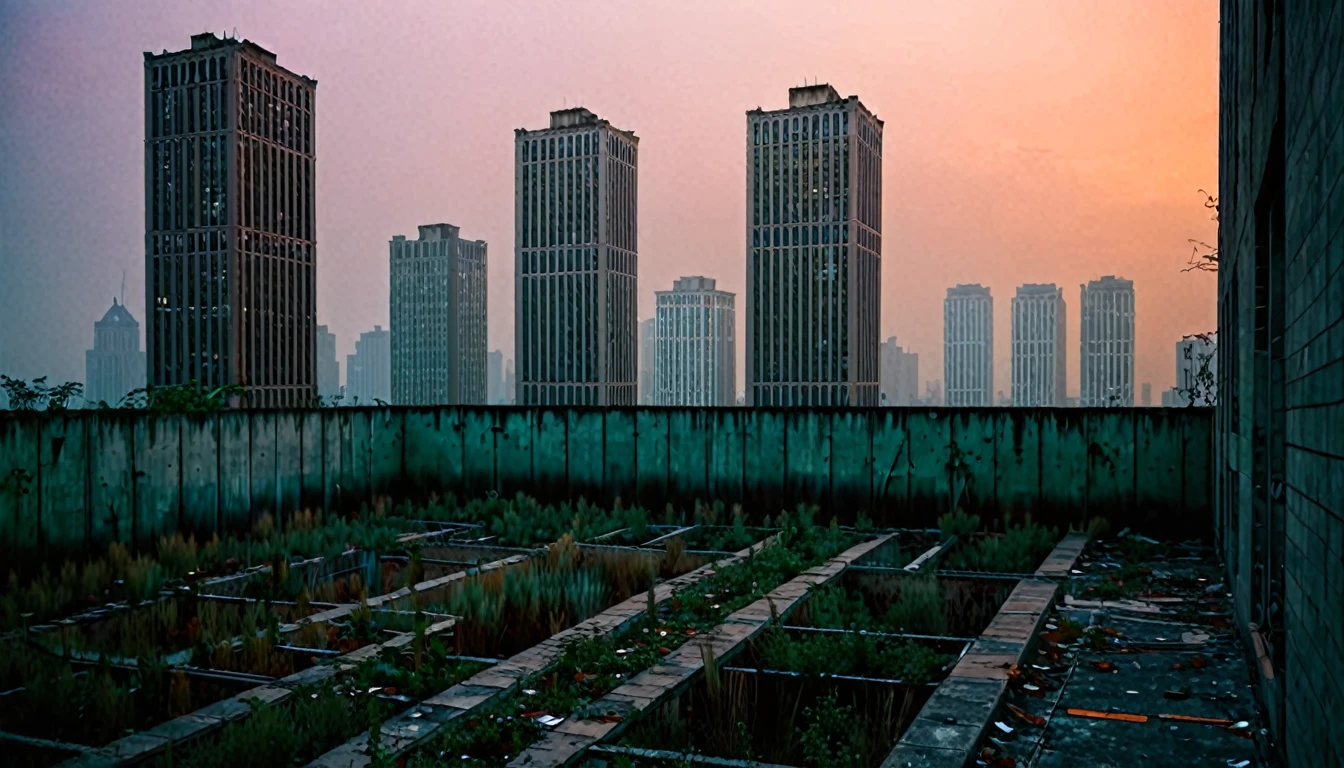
(230, 249)
(1107, 344)
(968, 346)
(696, 358)
(1040, 357)
(576, 262)
(813, 251)
(438, 304)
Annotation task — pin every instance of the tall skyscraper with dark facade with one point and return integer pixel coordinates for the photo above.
(1040, 368)
(438, 299)
(968, 346)
(1107, 359)
(230, 253)
(576, 261)
(115, 365)
(696, 343)
(814, 251)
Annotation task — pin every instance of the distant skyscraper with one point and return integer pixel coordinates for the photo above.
(899, 375)
(968, 346)
(1107, 359)
(1040, 367)
(438, 300)
(696, 362)
(933, 393)
(814, 251)
(1196, 366)
(1147, 390)
(115, 365)
(648, 359)
(576, 250)
(230, 290)
(328, 369)
(494, 378)
(510, 385)
(368, 372)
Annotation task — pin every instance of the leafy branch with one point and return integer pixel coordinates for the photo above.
(1204, 257)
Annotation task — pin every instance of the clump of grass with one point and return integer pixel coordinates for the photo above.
(289, 734)
(850, 654)
(829, 738)
(509, 609)
(919, 608)
(1019, 550)
(958, 523)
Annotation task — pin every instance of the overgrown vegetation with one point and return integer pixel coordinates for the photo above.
(850, 654)
(190, 397)
(510, 609)
(592, 667)
(121, 575)
(1020, 549)
(93, 704)
(317, 719)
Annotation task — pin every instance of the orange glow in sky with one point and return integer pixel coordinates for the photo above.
(1029, 141)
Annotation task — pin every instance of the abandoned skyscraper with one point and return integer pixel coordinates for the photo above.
(1106, 356)
(438, 300)
(696, 362)
(968, 346)
(814, 251)
(576, 262)
(116, 364)
(230, 290)
(1040, 374)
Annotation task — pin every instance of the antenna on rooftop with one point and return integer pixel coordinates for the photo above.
(123, 287)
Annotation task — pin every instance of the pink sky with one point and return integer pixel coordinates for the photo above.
(1025, 141)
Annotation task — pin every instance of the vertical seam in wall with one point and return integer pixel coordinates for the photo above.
(135, 491)
(219, 473)
(1040, 464)
(667, 453)
(708, 450)
(37, 497)
(181, 470)
(251, 510)
(606, 490)
(830, 461)
(88, 488)
(784, 465)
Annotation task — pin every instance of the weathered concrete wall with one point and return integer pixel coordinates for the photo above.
(1280, 448)
(94, 477)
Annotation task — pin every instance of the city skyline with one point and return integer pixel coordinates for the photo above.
(1134, 222)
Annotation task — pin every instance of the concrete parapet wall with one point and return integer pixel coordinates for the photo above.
(83, 479)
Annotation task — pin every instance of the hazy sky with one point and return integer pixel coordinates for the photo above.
(1026, 141)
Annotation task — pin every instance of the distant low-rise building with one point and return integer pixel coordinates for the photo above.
(898, 375)
(368, 372)
(328, 369)
(494, 378)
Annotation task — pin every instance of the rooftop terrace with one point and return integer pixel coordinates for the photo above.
(351, 587)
